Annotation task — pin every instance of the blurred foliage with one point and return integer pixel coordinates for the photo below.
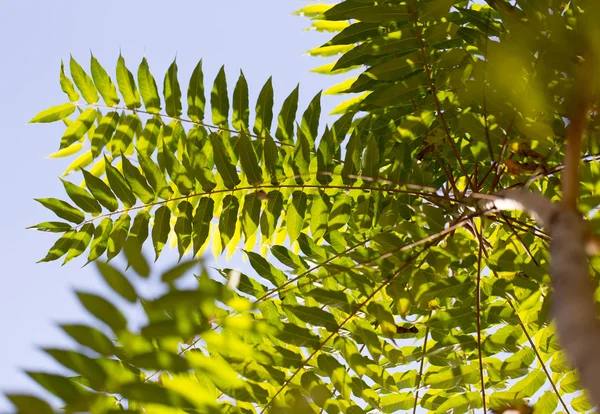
(376, 286)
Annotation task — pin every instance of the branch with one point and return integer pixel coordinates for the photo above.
(578, 119)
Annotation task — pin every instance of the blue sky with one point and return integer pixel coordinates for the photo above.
(262, 38)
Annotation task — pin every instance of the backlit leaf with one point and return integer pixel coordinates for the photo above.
(228, 219)
(53, 114)
(100, 191)
(104, 83)
(103, 310)
(62, 209)
(117, 281)
(137, 182)
(161, 229)
(67, 85)
(195, 94)
(219, 101)
(286, 118)
(80, 242)
(119, 185)
(295, 214)
(148, 88)
(126, 84)
(82, 198)
(83, 82)
(172, 91)
(78, 128)
(241, 109)
(264, 109)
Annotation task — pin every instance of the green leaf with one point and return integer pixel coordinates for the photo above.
(28, 404)
(100, 191)
(384, 318)
(62, 209)
(336, 299)
(83, 82)
(266, 269)
(195, 95)
(100, 242)
(103, 310)
(337, 373)
(270, 215)
(370, 166)
(155, 177)
(54, 113)
(397, 401)
(176, 171)
(297, 336)
(381, 13)
(241, 109)
(340, 211)
(174, 273)
(118, 235)
(201, 222)
(172, 91)
(80, 242)
(319, 215)
(264, 109)
(123, 138)
(127, 86)
(289, 259)
(313, 316)
(287, 116)
(547, 403)
(295, 215)
(148, 88)
(119, 185)
(219, 101)
(52, 227)
(62, 387)
(310, 120)
(301, 158)
(81, 364)
(91, 338)
(77, 129)
(529, 385)
(67, 85)
(250, 215)
(137, 182)
(228, 219)
(82, 198)
(161, 229)
(271, 159)
(60, 248)
(148, 140)
(104, 132)
(183, 227)
(148, 392)
(325, 154)
(248, 160)
(222, 161)
(104, 83)
(118, 282)
(451, 377)
(135, 241)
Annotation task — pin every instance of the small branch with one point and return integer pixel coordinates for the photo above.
(418, 384)
(539, 357)
(578, 123)
(341, 325)
(478, 304)
(434, 94)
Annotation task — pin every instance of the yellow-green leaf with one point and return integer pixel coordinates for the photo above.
(83, 82)
(54, 113)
